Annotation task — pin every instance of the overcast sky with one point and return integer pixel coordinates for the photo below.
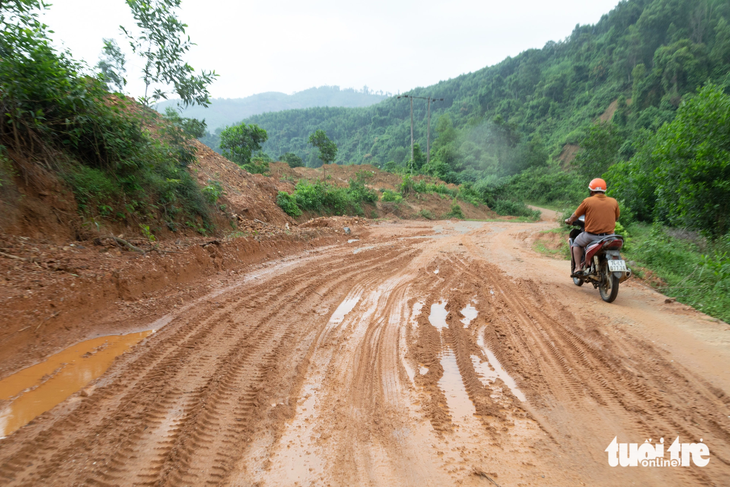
(289, 46)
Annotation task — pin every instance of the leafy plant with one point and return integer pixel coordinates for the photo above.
(327, 148)
(162, 43)
(455, 211)
(111, 66)
(391, 196)
(239, 142)
(288, 203)
(213, 191)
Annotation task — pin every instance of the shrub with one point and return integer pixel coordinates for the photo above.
(391, 196)
(213, 191)
(288, 203)
(455, 211)
(514, 208)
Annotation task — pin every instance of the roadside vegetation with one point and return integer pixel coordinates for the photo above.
(122, 161)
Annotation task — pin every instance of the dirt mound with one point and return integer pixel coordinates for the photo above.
(248, 196)
(428, 206)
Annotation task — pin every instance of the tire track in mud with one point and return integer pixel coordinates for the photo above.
(582, 367)
(148, 399)
(332, 367)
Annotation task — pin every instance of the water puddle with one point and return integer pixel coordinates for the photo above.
(457, 398)
(490, 370)
(438, 315)
(436, 271)
(360, 249)
(353, 240)
(470, 312)
(39, 388)
(345, 307)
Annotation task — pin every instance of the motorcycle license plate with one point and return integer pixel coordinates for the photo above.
(617, 266)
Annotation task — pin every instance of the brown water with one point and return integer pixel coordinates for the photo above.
(39, 388)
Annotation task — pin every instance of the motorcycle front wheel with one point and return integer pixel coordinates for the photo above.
(609, 285)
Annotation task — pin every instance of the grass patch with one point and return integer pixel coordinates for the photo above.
(695, 270)
(553, 243)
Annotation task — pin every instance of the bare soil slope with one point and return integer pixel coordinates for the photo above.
(420, 353)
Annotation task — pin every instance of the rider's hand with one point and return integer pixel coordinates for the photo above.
(567, 220)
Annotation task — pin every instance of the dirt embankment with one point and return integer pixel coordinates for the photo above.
(54, 295)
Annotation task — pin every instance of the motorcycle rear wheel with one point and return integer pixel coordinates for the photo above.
(576, 280)
(609, 286)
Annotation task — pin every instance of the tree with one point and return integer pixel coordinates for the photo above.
(162, 44)
(327, 148)
(419, 158)
(692, 160)
(292, 159)
(239, 142)
(599, 150)
(111, 64)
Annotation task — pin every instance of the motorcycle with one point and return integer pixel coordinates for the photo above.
(603, 265)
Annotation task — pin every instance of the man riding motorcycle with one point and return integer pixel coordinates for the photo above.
(601, 213)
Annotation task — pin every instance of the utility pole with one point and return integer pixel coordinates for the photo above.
(428, 130)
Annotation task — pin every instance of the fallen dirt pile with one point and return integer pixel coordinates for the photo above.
(417, 353)
(247, 196)
(415, 206)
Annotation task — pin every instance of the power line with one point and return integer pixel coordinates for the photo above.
(428, 129)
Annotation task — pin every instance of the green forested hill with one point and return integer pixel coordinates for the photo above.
(225, 111)
(645, 55)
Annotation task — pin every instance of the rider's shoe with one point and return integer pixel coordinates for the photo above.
(578, 273)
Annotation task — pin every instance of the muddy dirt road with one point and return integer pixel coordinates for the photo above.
(424, 354)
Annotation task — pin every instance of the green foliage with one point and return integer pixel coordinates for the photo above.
(239, 142)
(213, 191)
(599, 150)
(391, 196)
(325, 198)
(292, 159)
(696, 271)
(288, 203)
(424, 213)
(92, 185)
(111, 66)
(147, 233)
(455, 211)
(53, 114)
(327, 148)
(162, 43)
(361, 193)
(681, 176)
(409, 185)
(515, 208)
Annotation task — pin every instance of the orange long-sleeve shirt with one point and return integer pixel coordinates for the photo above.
(601, 213)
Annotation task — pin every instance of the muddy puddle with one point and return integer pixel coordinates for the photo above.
(457, 398)
(470, 312)
(345, 307)
(451, 383)
(492, 370)
(37, 389)
(438, 315)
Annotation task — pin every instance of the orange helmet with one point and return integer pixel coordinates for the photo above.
(598, 184)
